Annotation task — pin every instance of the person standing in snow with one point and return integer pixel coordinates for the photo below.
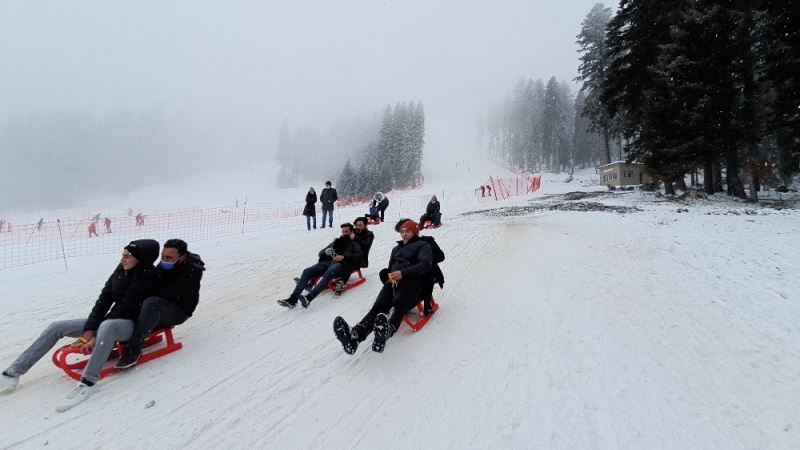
(93, 230)
(409, 269)
(112, 319)
(310, 210)
(107, 223)
(381, 202)
(328, 197)
(174, 288)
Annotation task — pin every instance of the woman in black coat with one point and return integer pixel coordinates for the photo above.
(310, 210)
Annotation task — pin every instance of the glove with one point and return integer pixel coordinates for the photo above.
(330, 252)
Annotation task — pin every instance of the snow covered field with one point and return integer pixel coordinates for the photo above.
(558, 328)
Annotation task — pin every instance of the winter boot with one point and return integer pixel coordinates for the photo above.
(8, 383)
(427, 308)
(131, 354)
(305, 300)
(345, 335)
(337, 290)
(383, 331)
(290, 302)
(81, 392)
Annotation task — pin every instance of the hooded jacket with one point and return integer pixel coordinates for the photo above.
(181, 284)
(125, 290)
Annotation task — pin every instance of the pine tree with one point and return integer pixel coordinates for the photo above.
(593, 68)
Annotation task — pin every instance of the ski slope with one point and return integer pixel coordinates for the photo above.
(557, 329)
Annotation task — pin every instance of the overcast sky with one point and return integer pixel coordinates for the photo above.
(249, 64)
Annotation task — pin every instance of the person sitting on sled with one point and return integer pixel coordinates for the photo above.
(373, 213)
(432, 213)
(342, 256)
(174, 288)
(112, 319)
(436, 276)
(409, 269)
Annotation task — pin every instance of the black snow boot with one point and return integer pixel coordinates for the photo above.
(343, 334)
(131, 354)
(383, 330)
(290, 302)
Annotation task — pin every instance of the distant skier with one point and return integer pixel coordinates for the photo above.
(107, 223)
(39, 224)
(408, 273)
(328, 197)
(139, 220)
(96, 218)
(93, 230)
(112, 319)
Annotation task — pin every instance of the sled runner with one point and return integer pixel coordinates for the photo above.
(74, 369)
(416, 319)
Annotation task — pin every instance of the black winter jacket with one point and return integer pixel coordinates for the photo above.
(436, 272)
(413, 259)
(349, 248)
(365, 241)
(181, 284)
(310, 209)
(432, 210)
(124, 291)
(327, 198)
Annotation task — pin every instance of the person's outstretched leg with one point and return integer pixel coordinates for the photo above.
(43, 344)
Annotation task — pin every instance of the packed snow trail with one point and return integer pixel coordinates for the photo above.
(556, 330)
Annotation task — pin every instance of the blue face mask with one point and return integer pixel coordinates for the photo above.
(166, 265)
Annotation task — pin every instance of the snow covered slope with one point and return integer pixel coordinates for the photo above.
(563, 324)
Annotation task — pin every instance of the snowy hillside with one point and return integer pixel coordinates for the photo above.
(594, 320)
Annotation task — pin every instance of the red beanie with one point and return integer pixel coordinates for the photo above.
(411, 226)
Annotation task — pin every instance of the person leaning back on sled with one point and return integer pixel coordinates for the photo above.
(112, 319)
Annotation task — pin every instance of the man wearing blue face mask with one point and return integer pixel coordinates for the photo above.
(175, 284)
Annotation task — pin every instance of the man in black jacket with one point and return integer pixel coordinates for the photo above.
(432, 213)
(408, 271)
(112, 319)
(174, 289)
(328, 197)
(341, 256)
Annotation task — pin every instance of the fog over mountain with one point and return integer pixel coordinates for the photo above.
(99, 97)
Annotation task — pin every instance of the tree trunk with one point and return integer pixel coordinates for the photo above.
(754, 186)
(708, 177)
(607, 144)
(668, 189)
(717, 175)
(680, 183)
(735, 185)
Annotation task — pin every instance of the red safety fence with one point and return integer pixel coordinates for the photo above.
(54, 239)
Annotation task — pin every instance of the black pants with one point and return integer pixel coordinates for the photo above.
(403, 297)
(382, 207)
(156, 313)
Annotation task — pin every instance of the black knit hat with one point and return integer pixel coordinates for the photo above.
(144, 250)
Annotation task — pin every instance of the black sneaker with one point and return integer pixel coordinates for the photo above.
(288, 303)
(129, 357)
(304, 300)
(344, 335)
(383, 330)
(337, 290)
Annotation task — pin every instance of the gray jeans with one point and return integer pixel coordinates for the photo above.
(110, 331)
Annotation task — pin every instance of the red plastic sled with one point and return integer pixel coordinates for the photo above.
(419, 320)
(74, 369)
(429, 224)
(350, 284)
(375, 221)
